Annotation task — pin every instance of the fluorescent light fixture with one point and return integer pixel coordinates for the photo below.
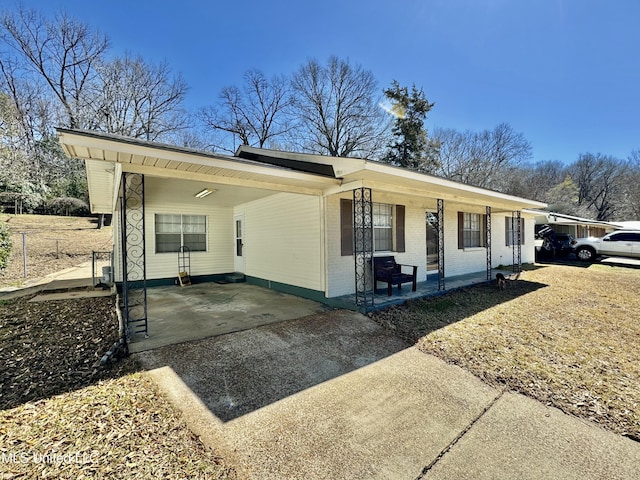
(204, 193)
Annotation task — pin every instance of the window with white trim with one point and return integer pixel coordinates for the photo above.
(382, 227)
(509, 223)
(175, 231)
(472, 230)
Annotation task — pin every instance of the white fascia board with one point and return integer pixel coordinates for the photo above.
(109, 146)
(219, 179)
(450, 185)
(561, 218)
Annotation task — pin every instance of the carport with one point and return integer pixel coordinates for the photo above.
(180, 314)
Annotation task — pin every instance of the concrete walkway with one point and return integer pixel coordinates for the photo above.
(302, 400)
(72, 278)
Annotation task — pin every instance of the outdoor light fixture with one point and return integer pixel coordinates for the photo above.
(204, 193)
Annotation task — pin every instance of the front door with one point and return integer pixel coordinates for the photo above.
(432, 242)
(238, 247)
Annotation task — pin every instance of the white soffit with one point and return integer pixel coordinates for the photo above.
(100, 177)
(172, 162)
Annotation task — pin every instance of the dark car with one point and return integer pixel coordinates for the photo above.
(554, 244)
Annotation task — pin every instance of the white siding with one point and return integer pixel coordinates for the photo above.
(283, 236)
(219, 255)
(218, 258)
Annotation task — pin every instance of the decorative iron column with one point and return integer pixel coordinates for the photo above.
(441, 285)
(134, 274)
(363, 247)
(488, 246)
(516, 244)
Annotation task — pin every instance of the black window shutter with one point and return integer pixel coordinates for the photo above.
(507, 233)
(484, 232)
(400, 214)
(460, 230)
(346, 227)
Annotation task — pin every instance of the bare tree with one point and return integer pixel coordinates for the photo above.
(481, 158)
(337, 108)
(134, 98)
(599, 179)
(533, 181)
(14, 167)
(255, 114)
(62, 52)
(632, 188)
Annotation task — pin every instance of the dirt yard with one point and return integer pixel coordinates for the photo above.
(53, 243)
(565, 335)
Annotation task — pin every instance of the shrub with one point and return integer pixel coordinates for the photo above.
(67, 206)
(6, 243)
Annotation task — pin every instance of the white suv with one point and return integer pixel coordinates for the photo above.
(621, 243)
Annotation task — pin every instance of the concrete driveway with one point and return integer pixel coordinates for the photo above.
(334, 396)
(181, 314)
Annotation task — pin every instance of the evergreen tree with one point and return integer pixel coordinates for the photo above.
(410, 147)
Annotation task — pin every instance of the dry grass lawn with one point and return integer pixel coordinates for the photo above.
(119, 428)
(53, 243)
(568, 336)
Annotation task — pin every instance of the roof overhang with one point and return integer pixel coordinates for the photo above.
(107, 155)
(562, 219)
(378, 176)
(358, 172)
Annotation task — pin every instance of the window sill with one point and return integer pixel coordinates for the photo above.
(473, 249)
(176, 253)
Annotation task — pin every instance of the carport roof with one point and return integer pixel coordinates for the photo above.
(562, 219)
(106, 155)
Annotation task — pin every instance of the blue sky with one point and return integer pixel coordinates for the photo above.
(565, 73)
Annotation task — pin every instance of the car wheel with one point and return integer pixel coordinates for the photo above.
(585, 254)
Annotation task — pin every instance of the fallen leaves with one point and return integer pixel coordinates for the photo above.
(61, 417)
(118, 428)
(51, 347)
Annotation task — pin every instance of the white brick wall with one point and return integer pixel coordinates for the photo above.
(457, 262)
(284, 239)
(341, 277)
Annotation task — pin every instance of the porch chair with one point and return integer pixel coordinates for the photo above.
(387, 270)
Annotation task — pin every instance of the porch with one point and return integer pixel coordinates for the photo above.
(426, 288)
(181, 314)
